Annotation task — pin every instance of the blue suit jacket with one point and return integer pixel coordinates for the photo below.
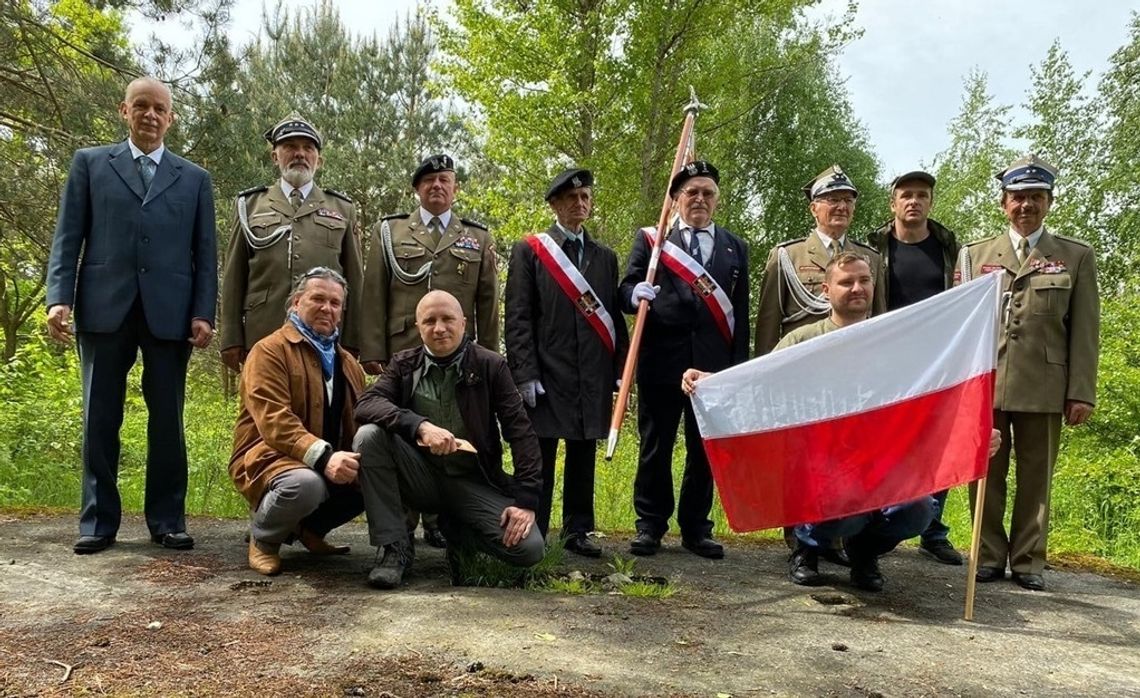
(113, 243)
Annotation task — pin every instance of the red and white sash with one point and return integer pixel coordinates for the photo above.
(575, 286)
(698, 278)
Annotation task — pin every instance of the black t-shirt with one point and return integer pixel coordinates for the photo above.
(915, 271)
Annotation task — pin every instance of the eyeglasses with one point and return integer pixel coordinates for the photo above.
(694, 192)
(834, 201)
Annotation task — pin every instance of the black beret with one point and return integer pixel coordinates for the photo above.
(431, 165)
(292, 127)
(697, 168)
(570, 179)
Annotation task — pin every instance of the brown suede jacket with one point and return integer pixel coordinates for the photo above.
(488, 399)
(283, 410)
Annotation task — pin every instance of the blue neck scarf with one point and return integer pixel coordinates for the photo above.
(325, 346)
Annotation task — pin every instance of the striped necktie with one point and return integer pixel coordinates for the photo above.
(146, 171)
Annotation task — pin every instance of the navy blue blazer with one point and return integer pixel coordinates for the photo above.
(680, 332)
(113, 243)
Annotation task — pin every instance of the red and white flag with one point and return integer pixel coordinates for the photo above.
(876, 413)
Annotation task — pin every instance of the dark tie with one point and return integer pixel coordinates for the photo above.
(695, 246)
(573, 249)
(146, 171)
(1023, 249)
(295, 198)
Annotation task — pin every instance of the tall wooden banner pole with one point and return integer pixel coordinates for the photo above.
(684, 149)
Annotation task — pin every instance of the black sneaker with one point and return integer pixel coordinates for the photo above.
(388, 571)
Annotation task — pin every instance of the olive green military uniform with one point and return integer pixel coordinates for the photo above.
(779, 312)
(463, 264)
(803, 334)
(257, 282)
(1047, 354)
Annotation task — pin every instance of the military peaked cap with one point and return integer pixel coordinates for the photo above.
(291, 127)
(1028, 172)
(831, 179)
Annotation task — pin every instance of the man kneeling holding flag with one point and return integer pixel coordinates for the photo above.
(855, 445)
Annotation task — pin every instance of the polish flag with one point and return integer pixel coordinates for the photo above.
(877, 413)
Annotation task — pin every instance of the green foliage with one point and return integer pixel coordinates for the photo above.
(1120, 100)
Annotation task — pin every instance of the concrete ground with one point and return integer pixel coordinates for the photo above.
(140, 620)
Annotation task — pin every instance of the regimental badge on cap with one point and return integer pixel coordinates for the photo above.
(431, 165)
(293, 126)
(831, 179)
(574, 178)
(1028, 172)
(697, 168)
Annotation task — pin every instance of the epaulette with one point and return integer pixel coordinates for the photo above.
(862, 244)
(1075, 241)
(395, 216)
(793, 241)
(254, 190)
(473, 224)
(339, 195)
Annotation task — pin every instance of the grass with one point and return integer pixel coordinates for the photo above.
(1095, 505)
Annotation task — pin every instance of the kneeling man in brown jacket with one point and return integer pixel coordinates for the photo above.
(292, 456)
(430, 441)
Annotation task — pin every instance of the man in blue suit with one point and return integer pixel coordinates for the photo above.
(134, 255)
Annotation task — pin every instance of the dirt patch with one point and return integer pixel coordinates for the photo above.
(141, 620)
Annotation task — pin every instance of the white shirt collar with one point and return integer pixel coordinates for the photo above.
(155, 154)
(568, 233)
(826, 239)
(444, 218)
(288, 189)
(683, 224)
(1034, 237)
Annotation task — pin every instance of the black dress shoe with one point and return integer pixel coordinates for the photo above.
(1032, 582)
(178, 540)
(705, 547)
(942, 551)
(92, 544)
(644, 543)
(435, 538)
(989, 574)
(582, 544)
(803, 567)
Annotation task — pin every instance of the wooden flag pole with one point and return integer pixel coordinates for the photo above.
(684, 148)
(975, 549)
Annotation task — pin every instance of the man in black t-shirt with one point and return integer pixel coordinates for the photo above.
(919, 254)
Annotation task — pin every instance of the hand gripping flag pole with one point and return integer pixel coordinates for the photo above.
(684, 156)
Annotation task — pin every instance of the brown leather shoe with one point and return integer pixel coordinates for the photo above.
(319, 546)
(262, 562)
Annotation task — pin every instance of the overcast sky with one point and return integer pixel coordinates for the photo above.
(904, 75)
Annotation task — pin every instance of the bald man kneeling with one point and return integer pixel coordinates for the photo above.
(430, 441)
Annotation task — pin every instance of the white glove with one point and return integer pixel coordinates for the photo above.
(530, 391)
(643, 291)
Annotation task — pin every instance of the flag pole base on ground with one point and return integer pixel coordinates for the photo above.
(975, 549)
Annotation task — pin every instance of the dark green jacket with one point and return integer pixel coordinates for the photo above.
(945, 237)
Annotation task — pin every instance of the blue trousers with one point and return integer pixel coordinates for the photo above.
(874, 531)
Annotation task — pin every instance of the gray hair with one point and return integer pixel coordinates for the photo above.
(315, 273)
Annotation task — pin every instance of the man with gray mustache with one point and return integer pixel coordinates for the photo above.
(279, 232)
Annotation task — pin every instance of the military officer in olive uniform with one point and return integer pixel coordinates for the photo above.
(281, 231)
(1047, 362)
(790, 294)
(429, 249)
